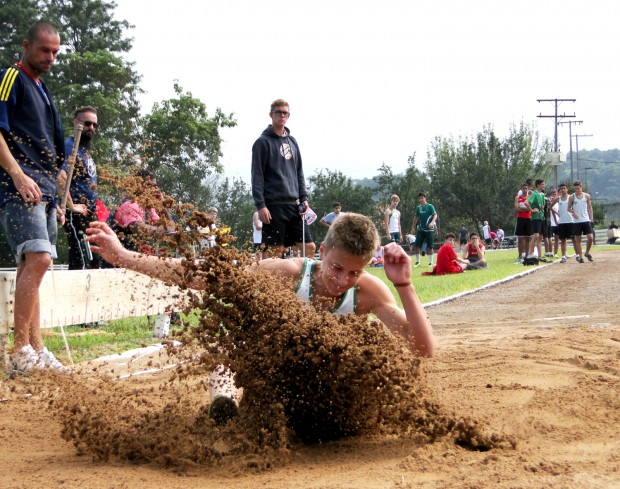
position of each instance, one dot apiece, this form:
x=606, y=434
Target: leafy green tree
x=91, y=71
x=182, y=146
x=16, y=17
x=476, y=179
x=235, y=205
x=327, y=187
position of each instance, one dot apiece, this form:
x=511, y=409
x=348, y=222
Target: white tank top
x=580, y=206
x=303, y=290
x=394, y=221
x=565, y=217
x=552, y=216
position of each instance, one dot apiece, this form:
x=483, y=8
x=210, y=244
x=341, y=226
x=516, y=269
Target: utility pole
x=570, y=135
x=557, y=102
x=577, y=136
x=586, y=172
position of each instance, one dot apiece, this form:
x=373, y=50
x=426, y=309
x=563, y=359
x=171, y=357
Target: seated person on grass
x=475, y=253
x=447, y=259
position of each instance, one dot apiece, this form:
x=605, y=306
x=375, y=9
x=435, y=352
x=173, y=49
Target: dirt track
x=537, y=358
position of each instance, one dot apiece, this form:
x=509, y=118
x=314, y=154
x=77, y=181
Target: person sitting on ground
x=447, y=259
x=475, y=253
x=612, y=232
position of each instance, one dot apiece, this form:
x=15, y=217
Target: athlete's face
x=340, y=270
x=41, y=53
x=578, y=190
x=563, y=190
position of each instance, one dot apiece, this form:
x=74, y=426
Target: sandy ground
x=537, y=358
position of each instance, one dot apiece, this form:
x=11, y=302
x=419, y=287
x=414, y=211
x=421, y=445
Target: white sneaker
x=26, y=360
x=48, y=360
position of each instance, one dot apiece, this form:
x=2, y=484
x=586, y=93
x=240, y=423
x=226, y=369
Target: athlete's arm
x=411, y=322
x=169, y=270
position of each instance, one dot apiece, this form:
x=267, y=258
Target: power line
x=570, y=135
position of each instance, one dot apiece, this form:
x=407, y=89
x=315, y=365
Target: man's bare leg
x=30, y=273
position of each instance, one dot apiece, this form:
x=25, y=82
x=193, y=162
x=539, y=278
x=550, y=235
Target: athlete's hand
x=104, y=242
x=396, y=263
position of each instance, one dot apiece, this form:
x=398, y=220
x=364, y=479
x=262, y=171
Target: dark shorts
x=395, y=237
x=565, y=230
x=582, y=228
x=427, y=237
x=537, y=226
x=554, y=230
x=487, y=241
x=286, y=226
x=30, y=228
x=463, y=241
x=546, y=230
x=523, y=227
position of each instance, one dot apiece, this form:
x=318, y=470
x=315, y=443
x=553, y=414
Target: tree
x=15, y=19
x=476, y=179
x=327, y=187
x=235, y=204
x=182, y=146
x=91, y=71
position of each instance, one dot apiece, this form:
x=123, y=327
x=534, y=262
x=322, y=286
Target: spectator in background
x=257, y=234
x=612, y=232
x=329, y=219
x=486, y=233
x=535, y=203
x=447, y=259
x=565, y=219
x=83, y=194
x=423, y=225
x=553, y=220
x=475, y=253
x=134, y=224
x=580, y=206
x=391, y=220
x=500, y=236
x=279, y=185
x=523, y=227
x=463, y=237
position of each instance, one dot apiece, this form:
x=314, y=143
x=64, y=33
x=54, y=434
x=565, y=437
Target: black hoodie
x=277, y=173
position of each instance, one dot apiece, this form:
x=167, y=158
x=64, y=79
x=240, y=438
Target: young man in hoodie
x=279, y=186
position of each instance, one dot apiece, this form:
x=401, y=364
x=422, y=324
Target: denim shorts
x=30, y=228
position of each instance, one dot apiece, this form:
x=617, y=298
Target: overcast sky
x=376, y=81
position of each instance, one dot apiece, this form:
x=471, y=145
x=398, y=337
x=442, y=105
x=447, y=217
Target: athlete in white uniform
x=580, y=206
x=339, y=281
x=565, y=219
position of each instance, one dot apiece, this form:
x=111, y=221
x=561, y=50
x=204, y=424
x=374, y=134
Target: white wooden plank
x=80, y=296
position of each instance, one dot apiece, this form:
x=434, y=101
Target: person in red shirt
x=475, y=252
x=447, y=259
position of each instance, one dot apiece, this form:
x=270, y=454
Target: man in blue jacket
x=31, y=152
x=279, y=186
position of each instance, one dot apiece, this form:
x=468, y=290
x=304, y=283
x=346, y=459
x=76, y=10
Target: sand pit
x=537, y=359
